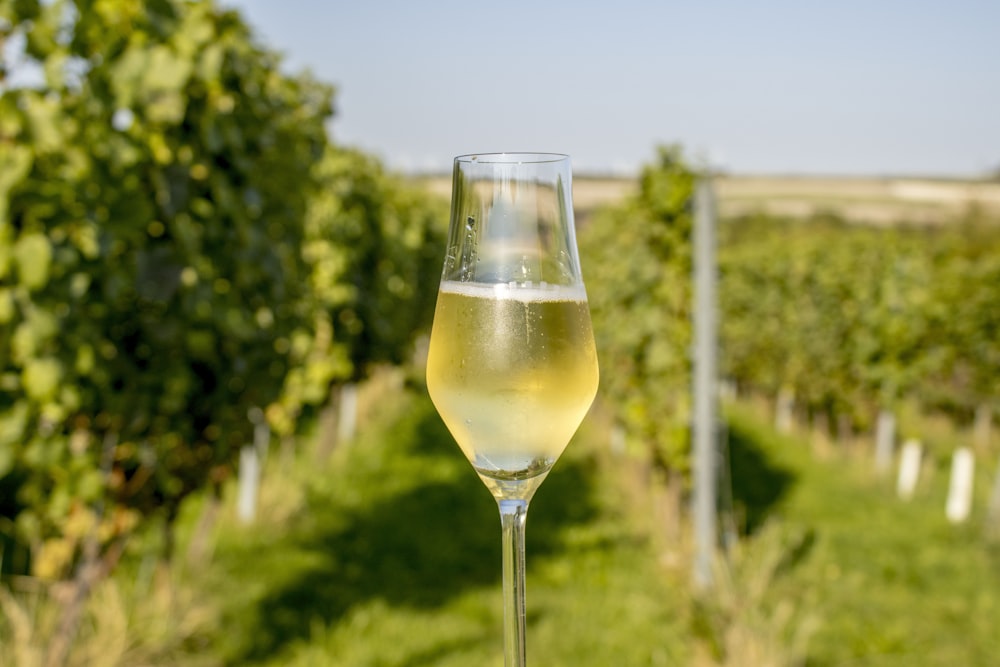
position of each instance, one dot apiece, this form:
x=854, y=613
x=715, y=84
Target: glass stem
x=512, y=517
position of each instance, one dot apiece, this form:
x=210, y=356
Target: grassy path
x=391, y=557
x=892, y=582
x=388, y=555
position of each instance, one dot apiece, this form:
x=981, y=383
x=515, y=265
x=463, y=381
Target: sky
x=852, y=87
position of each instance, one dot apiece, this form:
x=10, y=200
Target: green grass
x=388, y=555
x=892, y=582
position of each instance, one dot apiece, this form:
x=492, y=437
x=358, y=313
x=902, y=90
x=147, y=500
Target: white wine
x=512, y=371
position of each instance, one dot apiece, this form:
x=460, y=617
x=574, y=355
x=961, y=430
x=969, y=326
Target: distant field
x=872, y=200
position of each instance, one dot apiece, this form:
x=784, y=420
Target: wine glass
x=512, y=365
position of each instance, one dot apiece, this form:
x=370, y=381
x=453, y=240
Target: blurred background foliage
x=183, y=246
x=852, y=319
x=180, y=243
x=637, y=263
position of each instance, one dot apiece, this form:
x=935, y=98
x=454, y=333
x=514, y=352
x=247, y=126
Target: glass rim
x=512, y=158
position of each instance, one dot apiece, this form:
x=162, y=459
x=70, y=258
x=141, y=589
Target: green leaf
x=7, y=309
x=126, y=73
x=196, y=32
x=90, y=485
x=23, y=344
x=42, y=36
x=210, y=62
x=33, y=257
x=41, y=378
x=6, y=247
x=55, y=69
x=15, y=163
x=46, y=122
x=165, y=77
x=13, y=426
x=85, y=359
x=7, y=458
x=201, y=344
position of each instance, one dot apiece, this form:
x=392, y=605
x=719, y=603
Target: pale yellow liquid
x=512, y=372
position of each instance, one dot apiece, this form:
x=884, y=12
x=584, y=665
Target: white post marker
x=909, y=469
x=784, y=411
x=994, y=508
x=617, y=438
x=960, y=487
x=249, y=477
x=250, y=466
x=347, y=418
x=885, y=437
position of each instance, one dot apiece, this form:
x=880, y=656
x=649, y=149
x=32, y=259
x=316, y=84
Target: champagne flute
x=512, y=365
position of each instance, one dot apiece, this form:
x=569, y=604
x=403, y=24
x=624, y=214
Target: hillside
x=882, y=200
